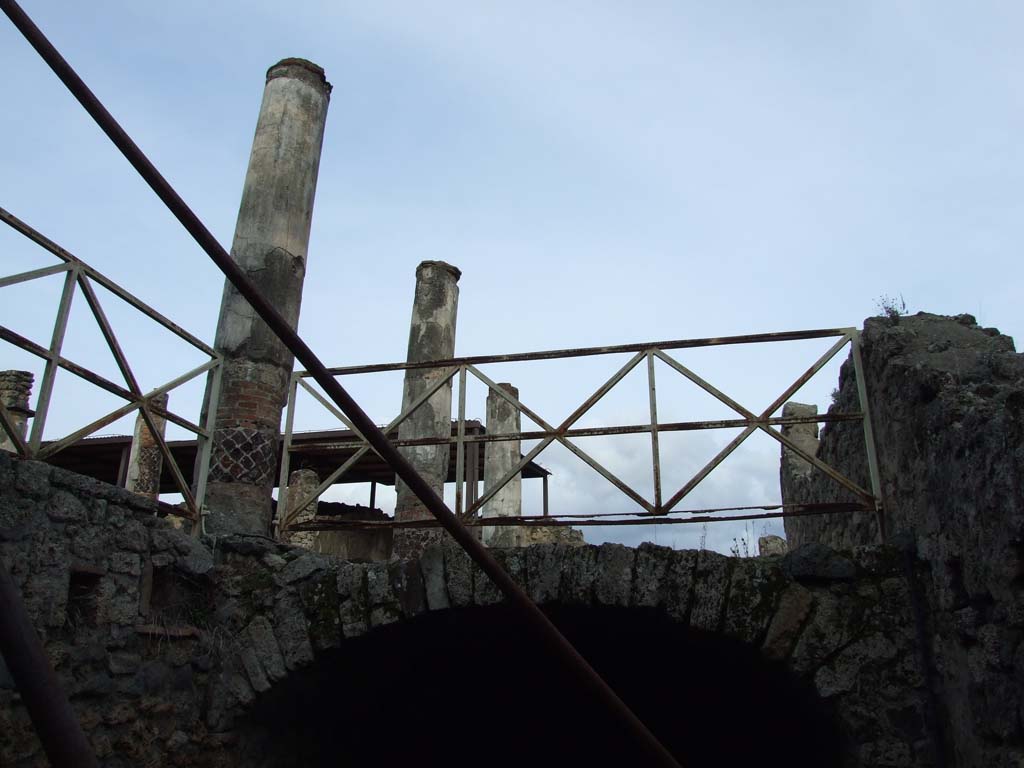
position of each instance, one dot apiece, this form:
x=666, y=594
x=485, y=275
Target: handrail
x=656, y=509
x=79, y=276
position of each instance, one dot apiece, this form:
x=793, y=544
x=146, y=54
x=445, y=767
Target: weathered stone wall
x=116, y=595
x=15, y=390
x=948, y=403
x=164, y=642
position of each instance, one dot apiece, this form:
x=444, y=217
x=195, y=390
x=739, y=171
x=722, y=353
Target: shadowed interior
x=470, y=687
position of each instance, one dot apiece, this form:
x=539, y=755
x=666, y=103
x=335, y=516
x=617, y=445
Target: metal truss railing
x=80, y=276
x=662, y=506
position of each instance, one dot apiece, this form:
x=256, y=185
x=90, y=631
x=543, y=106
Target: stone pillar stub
x=804, y=435
x=15, y=391
x=499, y=459
x=301, y=483
x=771, y=545
x=431, y=337
x=270, y=245
x=146, y=462
x=794, y=470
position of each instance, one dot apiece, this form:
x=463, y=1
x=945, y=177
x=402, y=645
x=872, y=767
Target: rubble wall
x=164, y=643
x=947, y=398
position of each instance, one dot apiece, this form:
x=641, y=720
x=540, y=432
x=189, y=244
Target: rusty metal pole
x=55, y=722
x=547, y=632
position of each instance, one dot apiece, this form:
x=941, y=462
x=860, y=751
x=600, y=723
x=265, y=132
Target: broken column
x=499, y=459
x=270, y=245
x=15, y=390
x=146, y=462
x=431, y=337
x=795, y=470
x=301, y=484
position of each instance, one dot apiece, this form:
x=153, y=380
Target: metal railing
x=80, y=276
x=662, y=507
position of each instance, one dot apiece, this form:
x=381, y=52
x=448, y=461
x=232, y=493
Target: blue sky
x=601, y=173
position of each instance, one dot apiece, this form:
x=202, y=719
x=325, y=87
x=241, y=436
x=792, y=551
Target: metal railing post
x=870, y=446
x=60, y=327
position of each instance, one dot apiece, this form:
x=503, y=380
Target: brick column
x=271, y=241
x=431, y=337
x=15, y=390
x=145, y=462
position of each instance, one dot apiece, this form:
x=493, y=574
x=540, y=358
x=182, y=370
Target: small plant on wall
x=891, y=308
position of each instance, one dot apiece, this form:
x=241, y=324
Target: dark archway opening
x=471, y=688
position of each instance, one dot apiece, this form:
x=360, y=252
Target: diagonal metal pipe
x=59, y=731
x=655, y=753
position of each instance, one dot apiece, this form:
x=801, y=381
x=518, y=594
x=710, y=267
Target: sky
x=601, y=173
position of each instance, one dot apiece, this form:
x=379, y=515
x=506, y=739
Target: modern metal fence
x=79, y=276
x=662, y=507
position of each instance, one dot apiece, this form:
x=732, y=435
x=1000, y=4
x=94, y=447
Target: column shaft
x=431, y=337
x=270, y=244
x=146, y=462
x=499, y=459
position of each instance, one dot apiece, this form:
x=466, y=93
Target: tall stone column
x=270, y=245
x=499, y=459
x=431, y=337
x=145, y=462
x=15, y=390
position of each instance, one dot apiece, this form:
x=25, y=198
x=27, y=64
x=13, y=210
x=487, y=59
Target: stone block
x=432, y=570
x=302, y=567
x=578, y=575
x=544, y=572
x=650, y=582
x=833, y=624
x=123, y=663
x=754, y=593
x=132, y=536
x=320, y=600
x=848, y=666
x=63, y=507
x=460, y=572
x=264, y=645
x=382, y=601
x=771, y=546
x=614, y=583
x=92, y=544
x=407, y=586
x=257, y=677
x=292, y=631
x=32, y=478
x=795, y=606
x=126, y=562
x=710, y=590
x=485, y=591
x=817, y=562
x=681, y=578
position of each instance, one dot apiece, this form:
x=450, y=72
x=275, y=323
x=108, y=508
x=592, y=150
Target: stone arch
x=838, y=624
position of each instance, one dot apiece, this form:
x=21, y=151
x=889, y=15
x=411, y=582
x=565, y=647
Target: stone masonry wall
x=164, y=642
x=948, y=403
